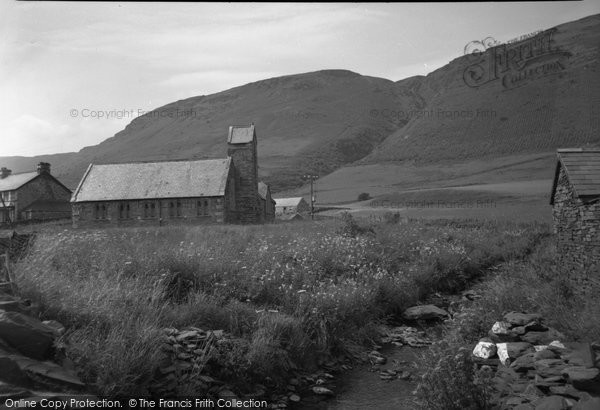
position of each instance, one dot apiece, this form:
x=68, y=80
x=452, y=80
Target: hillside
x=313, y=122
x=427, y=127
x=556, y=107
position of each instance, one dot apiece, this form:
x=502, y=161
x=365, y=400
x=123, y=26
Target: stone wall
x=577, y=227
x=151, y=212
x=43, y=187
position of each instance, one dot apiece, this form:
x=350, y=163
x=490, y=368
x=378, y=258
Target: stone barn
x=267, y=203
x=32, y=196
x=290, y=206
x=576, y=209
x=174, y=192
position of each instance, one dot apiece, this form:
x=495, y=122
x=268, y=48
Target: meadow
x=291, y=295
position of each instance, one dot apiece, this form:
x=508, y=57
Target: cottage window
x=206, y=208
x=178, y=208
x=171, y=209
x=146, y=211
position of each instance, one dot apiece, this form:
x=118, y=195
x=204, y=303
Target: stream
x=362, y=388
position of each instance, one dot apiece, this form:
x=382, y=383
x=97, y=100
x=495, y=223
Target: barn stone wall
x=577, y=227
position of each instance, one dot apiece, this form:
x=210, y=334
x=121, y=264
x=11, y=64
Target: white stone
x=484, y=350
x=539, y=348
x=502, y=351
x=501, y=328
x=557, y=343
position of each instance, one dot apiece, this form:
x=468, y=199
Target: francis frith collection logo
x=513, y=63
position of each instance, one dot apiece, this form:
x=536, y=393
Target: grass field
x=329, y=284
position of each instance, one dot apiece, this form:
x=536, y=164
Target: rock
x=544, y=354
x=295, y=398
x=58, y=328
x=425, y=312
x=322, y=391
x=12, y=373
x=542, y=338
x=8, y=391
x=521, y=319
x=535, y=326
x=523, y=363
x=501, y=328
x=568, y=390
x=485, y=350
x=551, y=403
x=30, y=336
x=550, y=367
x=579, y=354
x=512, y=350
x=50, y=374
x=591, y=404
x=548, y=382
x=556, y=345
x=583, y=378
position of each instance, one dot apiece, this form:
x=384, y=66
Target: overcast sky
x=100, y=57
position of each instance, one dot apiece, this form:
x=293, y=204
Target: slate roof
x=151, y=180
x=241, y=134
x=288, y=201
x=15, y=181
x=582, y=167
x=263, y=190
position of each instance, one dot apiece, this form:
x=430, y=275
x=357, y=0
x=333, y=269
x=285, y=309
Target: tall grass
x=327, y=284
x=535, y=284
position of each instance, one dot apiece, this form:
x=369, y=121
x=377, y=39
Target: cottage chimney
x=43, y=168
x=4, y=172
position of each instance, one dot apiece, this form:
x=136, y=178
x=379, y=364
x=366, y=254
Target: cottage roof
x=149, y=180
x=288, y=201
x=241, y=134
x=16, y=181
x=582, y=167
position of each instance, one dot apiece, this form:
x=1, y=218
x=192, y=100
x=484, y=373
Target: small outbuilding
x=267, y=203
x=576, y=209
x=290, y=206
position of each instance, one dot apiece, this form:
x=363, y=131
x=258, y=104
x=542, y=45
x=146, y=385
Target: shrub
x=364, y=196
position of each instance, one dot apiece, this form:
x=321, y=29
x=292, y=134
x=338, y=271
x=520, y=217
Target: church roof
x=153, y=180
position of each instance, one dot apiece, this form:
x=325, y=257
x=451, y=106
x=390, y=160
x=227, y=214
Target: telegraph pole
x=312, y=195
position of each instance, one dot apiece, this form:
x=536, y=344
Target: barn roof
x=150, y=180
x=241, y=134
x=288, y=201
x=15, y=181
x=582, y=166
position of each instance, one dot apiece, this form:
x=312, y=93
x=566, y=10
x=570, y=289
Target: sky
x=73, y=74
